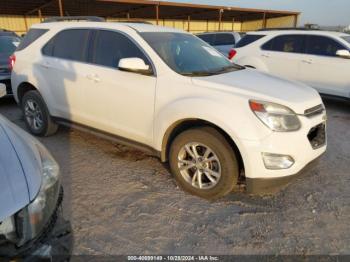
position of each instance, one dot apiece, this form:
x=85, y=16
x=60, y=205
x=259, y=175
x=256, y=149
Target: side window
x=110, y=47
x=248, y=39
x=32, y=35
x=285, y=43
x=320, y=45
x=224, y=39
x=209, y=38
x=69, y=44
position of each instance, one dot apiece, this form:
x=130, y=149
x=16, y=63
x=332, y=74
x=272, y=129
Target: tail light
x=232, y=54
x=12, y=61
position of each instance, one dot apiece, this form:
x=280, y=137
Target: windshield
x=8, y=44
x=347, y=38
x=188, y=55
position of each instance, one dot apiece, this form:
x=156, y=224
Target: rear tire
x=36, y=115
x=209, y=175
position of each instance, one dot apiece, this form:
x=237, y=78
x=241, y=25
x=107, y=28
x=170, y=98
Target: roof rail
x=134, y=22
x=74, y=18
x=288, y=28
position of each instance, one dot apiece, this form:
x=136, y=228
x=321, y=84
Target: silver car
x=221, y=41
x=30, y=195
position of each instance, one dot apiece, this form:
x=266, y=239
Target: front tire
x=36, y=115
x=203, y=163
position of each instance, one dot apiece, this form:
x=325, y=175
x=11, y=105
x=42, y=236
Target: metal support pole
x=295, y=21
x=233, y=24
x=25, y=23
x=40, y=15
x=157, y=14
x=188, y=23
x=264, y=21
x=220, y=18
x=207, y=25
x=128, y=16
x=60, y=5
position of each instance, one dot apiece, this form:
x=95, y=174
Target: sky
x=322, y=12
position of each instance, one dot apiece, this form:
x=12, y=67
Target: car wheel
x=36, y=115
x=204, y=163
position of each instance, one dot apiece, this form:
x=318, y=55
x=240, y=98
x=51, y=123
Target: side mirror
x=135, y=65
x=2, y=90
x=343, y=53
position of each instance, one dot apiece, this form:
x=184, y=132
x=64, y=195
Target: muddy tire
x=36, y=115
x=203, y=163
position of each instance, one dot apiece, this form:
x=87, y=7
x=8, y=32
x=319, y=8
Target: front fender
x=231, y=121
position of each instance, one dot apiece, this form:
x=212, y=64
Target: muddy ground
x=121, y=201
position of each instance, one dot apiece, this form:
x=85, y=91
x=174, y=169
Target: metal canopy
x=136, y=9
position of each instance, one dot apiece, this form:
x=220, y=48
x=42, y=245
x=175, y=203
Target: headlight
x=38, y=213
x=277, y=117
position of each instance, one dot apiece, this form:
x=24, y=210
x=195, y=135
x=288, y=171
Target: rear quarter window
x=248, y=39
x=70, y=44
x=32, y=35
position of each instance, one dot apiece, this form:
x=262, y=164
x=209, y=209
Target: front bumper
x=55, y=240
x=303, y=146
x=262, y=186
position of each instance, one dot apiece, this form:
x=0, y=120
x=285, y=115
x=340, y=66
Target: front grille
x=314, y=111
x=317, y=136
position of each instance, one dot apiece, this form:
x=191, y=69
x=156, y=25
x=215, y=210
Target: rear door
x=322, y=69
x=282, y=54
x=64, y=67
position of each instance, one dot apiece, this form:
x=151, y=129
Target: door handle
x=45, y=65
x=307, y=61
x=93, y=77
x=266, y=56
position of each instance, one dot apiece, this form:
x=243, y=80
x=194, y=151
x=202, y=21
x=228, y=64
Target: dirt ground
x=121, y=201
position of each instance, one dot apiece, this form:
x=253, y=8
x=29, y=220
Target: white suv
x=170, y=93
x=317, y=58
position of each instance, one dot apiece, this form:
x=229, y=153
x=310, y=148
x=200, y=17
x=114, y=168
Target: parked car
x=8, y=44
x=171, y=94
x=30, y=196
x=317, y=58
x=222, y=41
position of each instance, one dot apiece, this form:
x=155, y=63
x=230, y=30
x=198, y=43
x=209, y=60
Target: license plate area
x=317, y=136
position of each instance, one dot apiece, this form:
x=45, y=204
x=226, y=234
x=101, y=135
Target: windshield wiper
x=198, y=73
x=229, y=68
x=221, y=70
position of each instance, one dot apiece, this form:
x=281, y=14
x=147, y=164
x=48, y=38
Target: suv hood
x=261, y=86
x=20, y=177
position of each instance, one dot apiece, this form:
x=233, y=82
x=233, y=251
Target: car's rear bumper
x=6, y=79
x=263, y=186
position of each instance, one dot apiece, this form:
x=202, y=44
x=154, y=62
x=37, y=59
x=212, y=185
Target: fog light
x=275, y=161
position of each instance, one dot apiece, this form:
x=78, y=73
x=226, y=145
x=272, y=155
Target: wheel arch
x=185, y=124
x=23, y=88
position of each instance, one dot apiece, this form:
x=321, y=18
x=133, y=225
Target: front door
x=119, y=102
